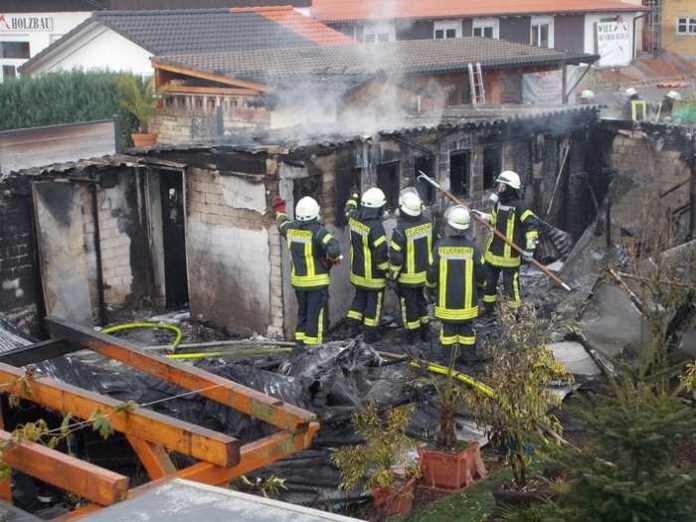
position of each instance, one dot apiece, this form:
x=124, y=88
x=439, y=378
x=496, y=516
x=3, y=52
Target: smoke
x=372, y=94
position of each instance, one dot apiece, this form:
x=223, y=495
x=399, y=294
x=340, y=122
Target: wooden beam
x=86, y=480
x=253, y=456
x=186, y=71
x=195, y=89
x=38, y=352
x=241, y=398
x=176, y=435
x=154, y=458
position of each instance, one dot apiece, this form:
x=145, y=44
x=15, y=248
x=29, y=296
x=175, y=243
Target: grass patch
x=471, y=505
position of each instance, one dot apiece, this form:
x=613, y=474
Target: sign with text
x=614, y=43
x=25, y=23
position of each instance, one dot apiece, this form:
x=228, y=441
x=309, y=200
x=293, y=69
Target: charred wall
x=20, y=282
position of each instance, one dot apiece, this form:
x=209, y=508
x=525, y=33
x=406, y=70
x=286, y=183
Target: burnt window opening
x=492, y=165
x=347, y=180
x=460, y=163
x=310, y=186
x=388, y=181
x=425, y=189
x=452, y=95
x=465, y=92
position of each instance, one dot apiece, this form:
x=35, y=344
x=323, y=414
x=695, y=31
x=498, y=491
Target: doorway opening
x=174, y=238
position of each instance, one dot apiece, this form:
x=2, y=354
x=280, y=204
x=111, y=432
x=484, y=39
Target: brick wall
x=178, y=125
x=233, y=253
x=19, y=277
x=644, y=171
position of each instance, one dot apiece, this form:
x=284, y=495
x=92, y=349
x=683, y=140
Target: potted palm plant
x=380, y=462
x=449, y=465
x=138, y=97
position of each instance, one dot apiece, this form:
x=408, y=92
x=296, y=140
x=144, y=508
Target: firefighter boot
x=424, y=333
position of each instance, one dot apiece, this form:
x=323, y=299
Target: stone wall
x=646, y=167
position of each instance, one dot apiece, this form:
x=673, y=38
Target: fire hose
x=499, y=235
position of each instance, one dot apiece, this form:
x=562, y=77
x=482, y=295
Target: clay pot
x=445, y=471
x=396, y=500
x=141, y=140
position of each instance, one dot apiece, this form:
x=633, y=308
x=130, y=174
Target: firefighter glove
x=278, y=204
x=528, y=255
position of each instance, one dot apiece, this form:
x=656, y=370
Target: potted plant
x=138, y=97
x=380, y=462
x=451, y=464
x=517, y=414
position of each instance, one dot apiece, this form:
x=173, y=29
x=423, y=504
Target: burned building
x=193, y=222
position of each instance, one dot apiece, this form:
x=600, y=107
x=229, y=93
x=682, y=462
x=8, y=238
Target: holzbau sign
x=24, y=24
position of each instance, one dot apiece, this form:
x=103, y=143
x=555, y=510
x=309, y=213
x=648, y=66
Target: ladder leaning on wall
x=478, y=91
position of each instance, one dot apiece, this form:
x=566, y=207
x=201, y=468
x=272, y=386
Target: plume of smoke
x=385, y=102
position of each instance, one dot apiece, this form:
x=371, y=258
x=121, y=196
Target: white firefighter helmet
x=674, y=95
x=458, y=217
x=373, y=198
x=410, y=202
x=307, y=209
x=509, y=178
x=630, y=92
x=587, y=95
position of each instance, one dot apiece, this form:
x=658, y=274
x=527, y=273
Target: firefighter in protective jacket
x=519, y=225
x=313, y=251
x=456, y=276
x=369, y=260
x=410, y=256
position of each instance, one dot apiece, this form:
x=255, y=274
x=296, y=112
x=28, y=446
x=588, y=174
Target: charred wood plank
x=38, y=352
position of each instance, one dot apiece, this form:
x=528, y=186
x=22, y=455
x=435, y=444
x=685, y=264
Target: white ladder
x=478, y=91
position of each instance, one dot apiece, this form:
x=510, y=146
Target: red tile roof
x=345, y=10
x=306, y=27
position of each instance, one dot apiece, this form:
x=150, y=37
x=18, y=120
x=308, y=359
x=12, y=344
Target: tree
x=517, y=415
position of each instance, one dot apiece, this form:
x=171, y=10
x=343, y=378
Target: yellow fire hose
x=462, y=377
x=179, y=335
x=205, y=355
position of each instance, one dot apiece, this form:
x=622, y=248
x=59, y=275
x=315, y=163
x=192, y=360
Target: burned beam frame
x=150, y=434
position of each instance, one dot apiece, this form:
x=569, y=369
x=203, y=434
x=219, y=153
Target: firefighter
x=510, y=217
x=455, y=276
x=586, y=97
x=410, y=255
x=635, y=108
x=369, y=260
x=666, y=107
x=313, y=251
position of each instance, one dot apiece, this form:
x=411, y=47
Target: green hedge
x=65, y=97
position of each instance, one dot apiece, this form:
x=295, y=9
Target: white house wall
x=99, y=49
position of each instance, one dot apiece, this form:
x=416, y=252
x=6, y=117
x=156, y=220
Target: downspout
x=98, y=253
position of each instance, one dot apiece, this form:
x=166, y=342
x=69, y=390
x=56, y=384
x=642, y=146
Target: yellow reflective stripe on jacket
x=379, y=241
x=367, y=257
x=309, y=281
x=509, y=235
x=469, y=278
x=418, y=278
x=327, y=238
x=461, y=314
x=394, y=245
x=526, y=215
x=532, y=234
x=505, y=262
x=383, y=266
x=370, y=283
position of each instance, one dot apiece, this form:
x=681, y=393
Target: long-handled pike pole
x=477, y=217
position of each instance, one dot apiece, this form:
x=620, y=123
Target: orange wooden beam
x=183, y=437
x=246, y=400
x=214, y=91
x=86, y=480
x=253, y=456
x=187, y=71
x=154, y=458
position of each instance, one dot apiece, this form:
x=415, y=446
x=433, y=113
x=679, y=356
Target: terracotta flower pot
x=141, y=140
x=451, y=471
x=396, y=500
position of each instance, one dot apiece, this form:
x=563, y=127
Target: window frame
x=378, y=32
x=483, y=24
x=13, y=62
x=445, y=26
x=689, y=23
x=539, y=21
